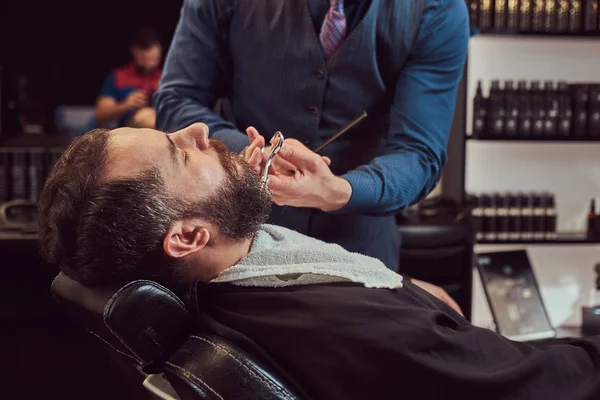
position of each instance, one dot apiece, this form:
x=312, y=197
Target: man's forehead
x=133, y=151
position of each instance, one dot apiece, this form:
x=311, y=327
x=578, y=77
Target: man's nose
x=196, y=135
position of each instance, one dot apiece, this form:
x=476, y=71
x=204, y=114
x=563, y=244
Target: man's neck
x=223, y=253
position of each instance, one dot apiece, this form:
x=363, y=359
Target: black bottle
x=18, y=175
x=502, y=217
x=592, y=221
x=525, y=112
x=4, y=174
x=474, y=13
x=537, y=21
x=511, y=103
x=550, y=13
x=565, y=112
x=512, y=18
x=539, y=228
x=549, y=216
x=580, y=110
x=575, y=8
x=500, y=8
x=496, y=111
x=590, y=15
x=488, y=223
x=485, y=15
x=538, y=110
x=480, y=113
x=35, y=173
x=593, y=127
x=526, y=202
x=476, y=216
x=550, y=109
x=562, y=16
x=525, y=15
x=514, y=216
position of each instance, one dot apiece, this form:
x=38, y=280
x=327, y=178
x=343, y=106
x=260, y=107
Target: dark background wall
x=67, y=47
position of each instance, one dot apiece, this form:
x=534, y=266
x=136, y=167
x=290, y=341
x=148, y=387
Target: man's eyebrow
x=172, y=149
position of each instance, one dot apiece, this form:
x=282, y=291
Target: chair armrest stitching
x=188, y=374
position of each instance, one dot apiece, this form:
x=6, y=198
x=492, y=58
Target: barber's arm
x=197, y=72
x=414, y=152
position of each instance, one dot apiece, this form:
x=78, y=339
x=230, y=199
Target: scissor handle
x=274, y=150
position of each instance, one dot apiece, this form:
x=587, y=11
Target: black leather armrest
x=212, y=368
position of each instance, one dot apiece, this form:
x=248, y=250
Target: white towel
x=281, y=257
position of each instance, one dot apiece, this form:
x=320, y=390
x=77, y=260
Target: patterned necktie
x=333, y=30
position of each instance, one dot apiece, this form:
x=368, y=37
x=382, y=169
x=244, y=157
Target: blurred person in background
x=127, y=92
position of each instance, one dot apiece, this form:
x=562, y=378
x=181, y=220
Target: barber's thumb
x=252, y=133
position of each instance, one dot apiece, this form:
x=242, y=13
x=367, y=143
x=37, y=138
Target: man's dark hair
x=97, y=232
x=144, y=38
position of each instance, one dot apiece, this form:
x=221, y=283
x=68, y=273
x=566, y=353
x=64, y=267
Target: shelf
x=544, y=139
x=506, y=32
x=563, y=238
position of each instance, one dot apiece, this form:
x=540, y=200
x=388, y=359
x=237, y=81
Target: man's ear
x=184, y=238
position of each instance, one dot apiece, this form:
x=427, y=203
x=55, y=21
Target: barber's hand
x=278, y=166
x=312, y=184
x=438, y=292
x=136, y=99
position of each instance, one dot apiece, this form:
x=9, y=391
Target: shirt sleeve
x=197, y=73
x=108, y=88
x=414, y=151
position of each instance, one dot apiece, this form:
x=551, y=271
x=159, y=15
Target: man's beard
x=242, y=204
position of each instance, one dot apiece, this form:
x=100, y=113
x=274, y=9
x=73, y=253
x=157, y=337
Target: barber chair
x=440, y=253
x=149, y=329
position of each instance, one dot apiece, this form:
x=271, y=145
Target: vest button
x=320, y=74
x=313, y=109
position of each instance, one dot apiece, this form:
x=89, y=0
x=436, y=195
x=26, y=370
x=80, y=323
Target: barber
x=307, y=68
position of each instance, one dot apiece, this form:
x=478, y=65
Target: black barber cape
x=344, y=341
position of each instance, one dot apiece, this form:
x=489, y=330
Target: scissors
x=274, y=150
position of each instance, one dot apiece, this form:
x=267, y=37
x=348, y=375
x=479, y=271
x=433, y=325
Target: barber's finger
x=252, y=133
x=299, y=156
x=281, y=185
x=257, y=143
x=255, y=160
x=327, y=160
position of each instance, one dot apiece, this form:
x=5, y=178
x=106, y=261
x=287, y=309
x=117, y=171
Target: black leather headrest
x=142, y=319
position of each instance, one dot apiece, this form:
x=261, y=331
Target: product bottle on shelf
x=575, y=8
x=593, y=127
x=565, y=113
x=514, y=217
x=499, y=15
x=474, y=13
x=511, y=103
x=526, y=217
x=550, y=109
x=512, y=15
x=539, y=229
x=488, y=225
x=550, y=8
x=485, y=15
x=549, y=216
x=4, y=174
x=497, y=111
x=592, y=220
x=537, y=22
x=590, y=312
x=538, y=110
x=476, y=216
x=502, y=217
x=562, y=15
x=580, y=110
x=525, y=111
x=525, y=15
x=479, y=113
x=590, y=15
